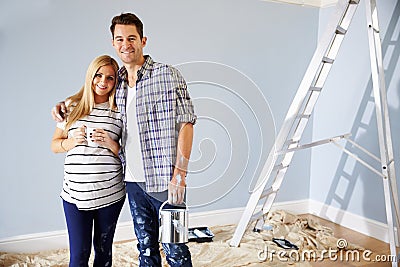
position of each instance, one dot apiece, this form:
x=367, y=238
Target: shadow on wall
x=365, y=131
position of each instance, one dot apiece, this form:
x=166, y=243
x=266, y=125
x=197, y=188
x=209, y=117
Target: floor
x=219, y=253
x=377, y=247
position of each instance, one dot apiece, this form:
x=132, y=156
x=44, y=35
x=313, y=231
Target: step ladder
x=300, y=111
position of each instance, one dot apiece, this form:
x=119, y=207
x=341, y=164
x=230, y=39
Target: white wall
x=46, y=46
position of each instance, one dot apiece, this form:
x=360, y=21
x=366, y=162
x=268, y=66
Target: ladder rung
x=346, y=175
x=340, y=30
x=279, y=167
x=364, y=125
x=338, y=199
x=315, y=89
x=304, y=116
x=290, y=143
x=328, y=60
x=354, y=2
x=257, y=215
x=267, y=192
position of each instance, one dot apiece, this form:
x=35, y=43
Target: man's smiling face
x=128, y=44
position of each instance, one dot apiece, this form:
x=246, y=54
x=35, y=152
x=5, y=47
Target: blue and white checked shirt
x=162, y=102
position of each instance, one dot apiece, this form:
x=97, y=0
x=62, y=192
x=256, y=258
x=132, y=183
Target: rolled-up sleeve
x=184, y=104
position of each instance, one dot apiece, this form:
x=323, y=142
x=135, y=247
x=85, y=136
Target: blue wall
x=253, y=55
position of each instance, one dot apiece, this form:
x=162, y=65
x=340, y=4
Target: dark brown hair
x=127, y=19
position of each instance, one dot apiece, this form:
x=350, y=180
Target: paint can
x=174, y=225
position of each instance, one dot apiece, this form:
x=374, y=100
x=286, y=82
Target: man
x=158, y=118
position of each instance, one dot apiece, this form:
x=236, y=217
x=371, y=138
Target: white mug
x=90, y=131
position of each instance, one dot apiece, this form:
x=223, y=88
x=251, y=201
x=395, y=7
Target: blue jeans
x=80, y=224
x=144, y=210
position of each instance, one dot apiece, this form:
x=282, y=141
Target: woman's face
x=103, y=83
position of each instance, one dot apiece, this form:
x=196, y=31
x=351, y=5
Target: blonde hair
x=82, y=103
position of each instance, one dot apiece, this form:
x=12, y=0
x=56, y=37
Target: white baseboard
x=59, y=239
x=35, y=242
x=352, y=221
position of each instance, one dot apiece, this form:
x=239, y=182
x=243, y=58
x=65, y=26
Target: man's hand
x=176, y=190
x=58, y=112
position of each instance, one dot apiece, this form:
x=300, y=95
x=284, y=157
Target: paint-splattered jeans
x=144, y=210
x=80, y=224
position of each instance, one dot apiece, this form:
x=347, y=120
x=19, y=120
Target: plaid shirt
x=162, y=102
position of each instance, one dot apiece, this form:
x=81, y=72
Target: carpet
x=256, y=249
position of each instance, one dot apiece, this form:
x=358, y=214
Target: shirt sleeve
x=184, y=105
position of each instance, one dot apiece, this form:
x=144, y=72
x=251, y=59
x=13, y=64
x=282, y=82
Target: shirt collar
x=144, y=69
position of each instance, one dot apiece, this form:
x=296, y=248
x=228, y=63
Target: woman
x=93, y=190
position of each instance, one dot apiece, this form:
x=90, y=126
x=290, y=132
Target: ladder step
x=328, y=60
x=346, y=175
x=257, y=215
x=304, y=116
x=356, y=2
x=288, y=143
x=364, y=125
x=315, y=89
x=339, y=199
x=279, y=167
x=291, y=142
x=267, y=192
x=340, y=30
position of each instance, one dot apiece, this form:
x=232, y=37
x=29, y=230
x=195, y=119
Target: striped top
x=162, y=102
x=93, y=175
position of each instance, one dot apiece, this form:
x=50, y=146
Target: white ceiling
x=314, y=3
